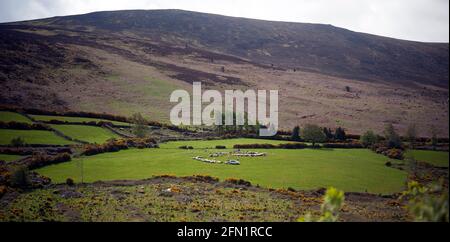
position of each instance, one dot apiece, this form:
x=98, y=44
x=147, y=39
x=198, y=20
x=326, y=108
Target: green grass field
x=74, y=119
x=32, y=137
x=89, y=134
x=436, y=158
x=229, y=143
x=9, y=158
x=351, y=170
x=11, y=116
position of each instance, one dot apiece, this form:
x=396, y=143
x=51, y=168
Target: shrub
x=70, y=182
x=392, y=138
x=19, y=177
x=115, y=145
x=292, y=146
x=342, y=145
x=428, y=204
x=219, y=147
x=331, y=207
x=185, y=147
x=271, y=146
x=395, y=154
x=139, y=128
x=339, y=134
x=24, y=126
x=238, y=182
x=296, y=133
x=18, y=142
x=369, y=138
x=39, y=160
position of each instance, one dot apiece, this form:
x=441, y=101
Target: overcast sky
x=421, y=20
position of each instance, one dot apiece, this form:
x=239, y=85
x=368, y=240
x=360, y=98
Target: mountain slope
x=321, y=48
x=130, y=61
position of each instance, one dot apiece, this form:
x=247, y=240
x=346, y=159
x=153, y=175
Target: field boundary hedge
x=24, y=126
x=271, y=146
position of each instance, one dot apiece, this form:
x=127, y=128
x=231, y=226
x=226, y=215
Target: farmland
x=13, y=117
x=285, y=183
x=436, y=158
x=32, y=137
x=351, y=170
x=47, y=118
x=8, y=158
x=89, y=134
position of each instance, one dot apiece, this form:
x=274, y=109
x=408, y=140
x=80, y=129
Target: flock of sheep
x=229, y=162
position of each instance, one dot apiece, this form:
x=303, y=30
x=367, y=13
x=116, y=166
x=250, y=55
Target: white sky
x=420, y=20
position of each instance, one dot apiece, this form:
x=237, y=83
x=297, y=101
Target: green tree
x=313, y=133
x=392, y=138
x=17, y=142
x=369, y=138
x=140, y=127
x=411, y=134
x=20, y=176
x=339, y=134
x=296, y=133
x=328, y=133
x=434, y=137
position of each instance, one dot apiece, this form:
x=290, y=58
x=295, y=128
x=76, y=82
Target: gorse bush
x=428, y=204
x=115, y=145
x=330, y=208
x=39, y=160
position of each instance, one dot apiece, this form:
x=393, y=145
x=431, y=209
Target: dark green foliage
x=18, y=142
x=339, y=134
x=140, y=128
x=70, y=182
x=369, y=138
x=39, y=160
x=328, y=133
x=271, y=146
x=19, y=177
x=411, y=135
x=393, y=140
x=313, y=133
x=343, y=145
x=296, y=133
x=24, y=126
x=434, y=138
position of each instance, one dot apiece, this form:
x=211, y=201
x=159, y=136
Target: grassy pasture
x=32, y=137
x=90, y=134
x=9, y=158
x=356, y=170
x=436, y=158
x=11, y=116
x=74, y=119
x=211, y=144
